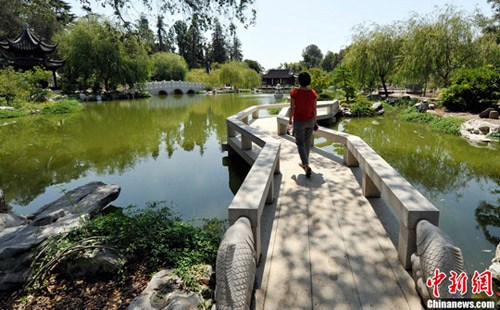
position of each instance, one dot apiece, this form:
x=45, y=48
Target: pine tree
x=235, y=52
x=218, y=51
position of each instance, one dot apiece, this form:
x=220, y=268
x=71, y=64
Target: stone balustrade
x=173, y=87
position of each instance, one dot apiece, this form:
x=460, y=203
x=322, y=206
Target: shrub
x=325, y=97
x=472, y=90
x=412, y=115
x=362, y=107
x=62, y=107
x=448, y=125
x=154, y=236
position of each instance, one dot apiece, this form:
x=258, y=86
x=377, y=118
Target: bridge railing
x=379, y=179
x=262, y=152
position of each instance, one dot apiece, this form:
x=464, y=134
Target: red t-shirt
x=304, y=103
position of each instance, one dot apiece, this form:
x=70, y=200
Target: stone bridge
x=173, y=87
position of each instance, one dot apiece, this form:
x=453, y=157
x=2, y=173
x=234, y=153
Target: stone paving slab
x=326, y=248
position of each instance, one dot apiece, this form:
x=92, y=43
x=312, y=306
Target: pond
x=169, y=149
x=158, y=149
x=462, y=181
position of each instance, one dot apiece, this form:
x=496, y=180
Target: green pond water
x=169, y=149
x=157, y=149
x=461, y=180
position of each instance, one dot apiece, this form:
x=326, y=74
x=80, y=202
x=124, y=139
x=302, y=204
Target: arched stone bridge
x=173, y=87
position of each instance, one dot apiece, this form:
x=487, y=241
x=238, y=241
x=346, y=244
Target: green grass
x=62, y=106
x=494, y=136
x=448, y=125
x=274, y=111
x=12, y=114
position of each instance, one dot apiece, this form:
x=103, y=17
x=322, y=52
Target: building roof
x=26, y=42
x=278, y=74
x=27, y=51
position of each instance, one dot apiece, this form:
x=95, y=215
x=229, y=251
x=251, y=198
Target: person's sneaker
x=308, y=172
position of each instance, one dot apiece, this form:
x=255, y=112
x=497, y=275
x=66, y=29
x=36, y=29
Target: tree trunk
x=385, y=87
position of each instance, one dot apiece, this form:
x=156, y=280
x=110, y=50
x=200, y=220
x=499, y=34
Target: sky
x=284, y=28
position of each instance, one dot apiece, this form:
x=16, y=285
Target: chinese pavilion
x=27, y=51
x=284, y=77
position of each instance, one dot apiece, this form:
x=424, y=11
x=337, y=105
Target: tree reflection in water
x=488, y=218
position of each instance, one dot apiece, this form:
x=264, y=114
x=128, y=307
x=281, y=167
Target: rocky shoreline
x=21, y=238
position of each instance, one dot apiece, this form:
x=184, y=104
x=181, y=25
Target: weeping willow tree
x=437, y=45
x=373, y=54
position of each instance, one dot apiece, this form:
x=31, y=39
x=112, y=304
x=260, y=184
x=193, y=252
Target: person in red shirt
x=303, y=117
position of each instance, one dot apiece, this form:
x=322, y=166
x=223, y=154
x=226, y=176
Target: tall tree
x=99, y=54
x=195, y=55
x=218, y=49
x=169, y=66
x=160, y=26
x=235, y=52
x=312, y=56
x=45, y=17
x=254, y=65
x=180, y=30
x=342, y=78
x=373, y=54
x=436, y=45
x=330, y=61
x=145, y=33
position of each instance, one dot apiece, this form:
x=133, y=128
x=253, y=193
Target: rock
x=377, y=106
x=7, y=108
x=8, y=220
x=484, y=129
x=432, y=106
x=475, y=130
x=421, y=106
x=17, y=242
x=486, y=113
x=183, y=302
x=163, y=292
x=493, y=115
x=92, y=264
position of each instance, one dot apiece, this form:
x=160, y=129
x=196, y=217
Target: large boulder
x=163, y=292
x=486, y=113
x=18, y=242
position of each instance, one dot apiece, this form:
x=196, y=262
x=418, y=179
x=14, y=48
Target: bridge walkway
x=323, y=245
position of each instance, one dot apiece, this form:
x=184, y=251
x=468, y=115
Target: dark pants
x=303, y=132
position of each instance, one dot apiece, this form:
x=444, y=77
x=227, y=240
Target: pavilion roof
x=278, y=74
x=26, y=42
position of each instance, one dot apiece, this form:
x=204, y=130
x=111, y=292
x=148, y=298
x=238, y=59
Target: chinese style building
x=284, y=77
x=27, y=51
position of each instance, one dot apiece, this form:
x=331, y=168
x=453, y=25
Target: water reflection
x=460, y=180
x=488, y=218
x=119, y=142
